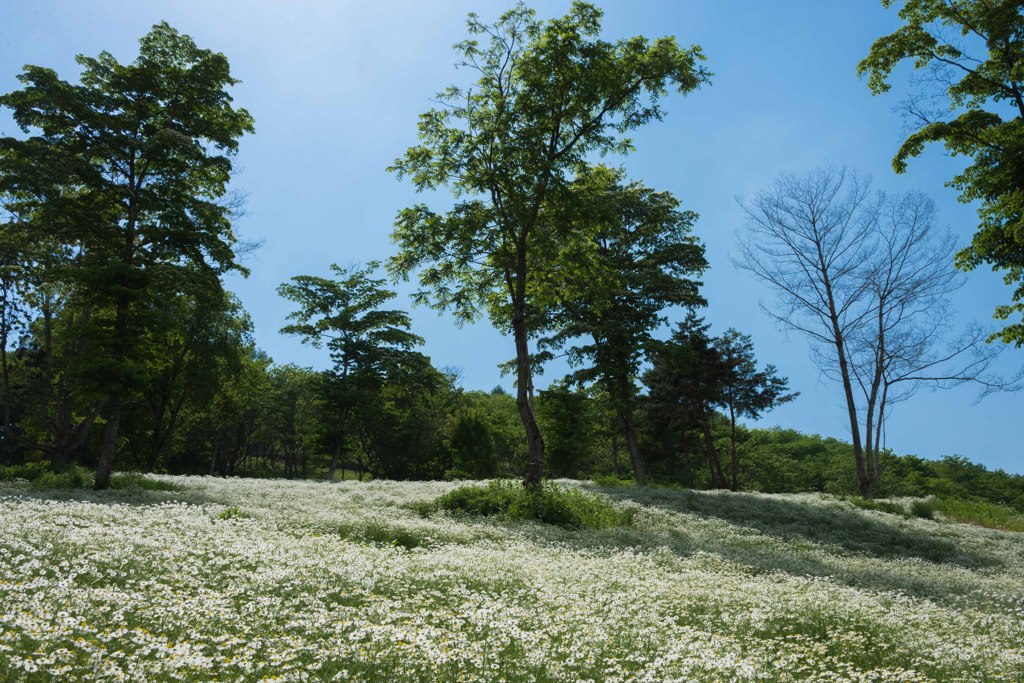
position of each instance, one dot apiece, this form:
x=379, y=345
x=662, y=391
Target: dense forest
x=121, y=349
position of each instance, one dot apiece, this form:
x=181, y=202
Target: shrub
x=73, y=477
x=137, y=480
x=231, y=512
x=886, y=506
x=923, y=508
x=611, y=480
x=551, y=504
x=29, y=471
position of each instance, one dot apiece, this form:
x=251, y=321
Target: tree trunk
x=718, y=480
x=338, y=447
x=629, y=428
x=687, y=461
x=6, y=454
x=524, y=401
x=732, y=447
x=105, y=465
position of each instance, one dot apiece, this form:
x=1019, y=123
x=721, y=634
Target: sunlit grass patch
x=981, y=514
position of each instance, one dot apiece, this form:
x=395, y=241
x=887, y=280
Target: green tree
x=131, y=164
x=194, y=339
x=571, y=424
x=546, y=96
x=971, y=54
x=344, y=315
x=745, y=390
x=472, y=445
x=685, y=385
x=630, y=256
x=15, y=264
x=293, y=415
x=403, y=423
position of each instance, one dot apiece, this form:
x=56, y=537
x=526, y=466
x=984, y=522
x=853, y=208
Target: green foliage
x=71, y=478
x=611, y=481
x=366, y=342
x=628, y=256
x=123, y=177
x=887, y=506
x=923, y=508
x=230, y=512
x=972, y=53
x=570, y=426
x=981, y=513
x=549, y=503
x=472, y=446
x=544, y=97
x=40, y=477
x=404, y=418
x=139, y=481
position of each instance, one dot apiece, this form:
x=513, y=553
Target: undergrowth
x=39, y=477
x=978, y=513
x=549, y=503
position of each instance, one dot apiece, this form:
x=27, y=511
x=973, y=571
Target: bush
x=551, y=504
x=231, y=512
x=73, y=477
x=886, y=506
x=611, y=480
x=923, y=508
x=41, y=478
x=137, y=480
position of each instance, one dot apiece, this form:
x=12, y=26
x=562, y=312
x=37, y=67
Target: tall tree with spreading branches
x=543, y=97
x=131, y=165
x=868, y=279
x=631, y=255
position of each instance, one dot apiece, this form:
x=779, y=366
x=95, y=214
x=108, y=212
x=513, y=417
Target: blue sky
x=336, y=86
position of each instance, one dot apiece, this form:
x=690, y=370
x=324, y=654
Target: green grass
x=982, y=514
x=958, y=510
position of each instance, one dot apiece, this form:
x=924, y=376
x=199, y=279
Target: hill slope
x=249, y=579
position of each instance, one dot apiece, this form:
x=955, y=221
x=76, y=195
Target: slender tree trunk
x=216, y=451
x=718, y=480
x=629, y=428
x=865, y=485
x=878, y=429
x=735, y=462
x=105, y=465
x=338, y=447
x=524, y=401
x=8, y=441
x=119, y=346
x=684, y=443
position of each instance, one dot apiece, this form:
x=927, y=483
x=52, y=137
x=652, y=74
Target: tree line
x=120, y=344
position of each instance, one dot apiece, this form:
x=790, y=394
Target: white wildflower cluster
x=332, y=582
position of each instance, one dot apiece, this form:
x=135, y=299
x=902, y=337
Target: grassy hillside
x=258, y=580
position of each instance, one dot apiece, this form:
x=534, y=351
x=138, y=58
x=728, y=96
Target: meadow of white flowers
x=247, y=580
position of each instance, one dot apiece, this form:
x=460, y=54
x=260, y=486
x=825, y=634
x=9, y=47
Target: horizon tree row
x=117, y=232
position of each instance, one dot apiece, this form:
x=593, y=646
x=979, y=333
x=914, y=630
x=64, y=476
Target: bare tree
x=868, y=279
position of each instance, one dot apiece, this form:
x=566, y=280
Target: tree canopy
x=969, y=96
x=130, y=167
